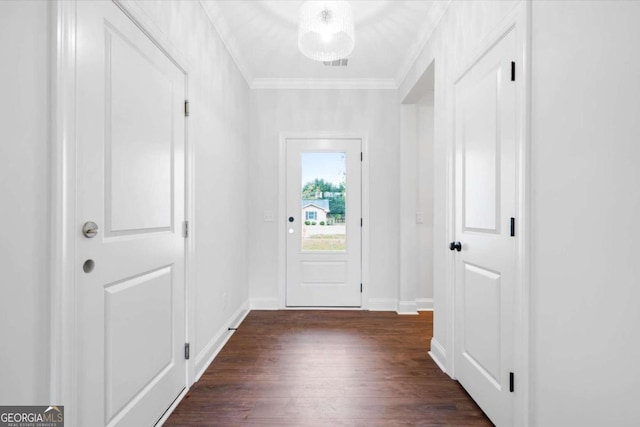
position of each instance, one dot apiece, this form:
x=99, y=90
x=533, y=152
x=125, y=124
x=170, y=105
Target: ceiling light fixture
x=325, y=30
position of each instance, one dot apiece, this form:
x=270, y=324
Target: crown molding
x=222, y=28
x=216, y=17
x=416, y=49
x=294, y=83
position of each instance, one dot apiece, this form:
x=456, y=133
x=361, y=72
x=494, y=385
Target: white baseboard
x=209, y=353
x=425, y=304
x=375, y=304
x=173, y=406
x=407, y=307
x=211, y=350
x=383, y=304
x=438, y=354
x=264, y=304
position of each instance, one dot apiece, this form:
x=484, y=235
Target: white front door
x=323, y=223
x=485, y=153
x=130, y=180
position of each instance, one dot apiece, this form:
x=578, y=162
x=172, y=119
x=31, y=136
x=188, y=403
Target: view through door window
x=324, y=201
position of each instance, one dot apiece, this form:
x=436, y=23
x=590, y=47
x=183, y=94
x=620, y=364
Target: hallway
x=155, y=169
x=355, y=368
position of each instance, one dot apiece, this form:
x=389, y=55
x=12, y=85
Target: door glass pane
x=323, y=201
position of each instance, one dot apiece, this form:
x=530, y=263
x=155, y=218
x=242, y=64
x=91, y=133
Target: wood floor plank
x=327, y=368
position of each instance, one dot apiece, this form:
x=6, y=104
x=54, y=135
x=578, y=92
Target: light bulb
x=325, y=30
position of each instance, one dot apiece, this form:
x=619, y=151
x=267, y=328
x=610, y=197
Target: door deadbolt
x=90, y=229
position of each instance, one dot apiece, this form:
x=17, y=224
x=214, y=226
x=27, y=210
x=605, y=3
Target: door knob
x=455, y=246
x=90, y=229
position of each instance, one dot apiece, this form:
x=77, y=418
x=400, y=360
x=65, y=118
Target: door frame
x=282, y=209
x=63, y=230
x=518, y=19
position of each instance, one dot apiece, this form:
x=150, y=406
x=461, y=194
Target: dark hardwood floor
x=328, y=368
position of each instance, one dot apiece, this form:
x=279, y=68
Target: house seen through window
x=323, y=197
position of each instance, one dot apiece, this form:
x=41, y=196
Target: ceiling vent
x=337, y=63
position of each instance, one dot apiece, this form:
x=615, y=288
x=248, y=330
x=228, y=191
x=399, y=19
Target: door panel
x=138, y=136
x=324, y=236
x=327, y=272
x=482, y=320
x=130, y=174
x=485, y=202
x=480, y=155
x=132, y=363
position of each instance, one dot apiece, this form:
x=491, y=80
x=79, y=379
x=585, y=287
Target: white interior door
x=323, y=223
x=485, y=142
x=130, y=181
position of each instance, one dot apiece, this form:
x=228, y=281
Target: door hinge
x=511, y=382
x=360, y=287
x=513, y=71
x=361, y=223
x=186, y=351
x=361, y=156
x=513, y=227
x=186, y=108
x=185, y=229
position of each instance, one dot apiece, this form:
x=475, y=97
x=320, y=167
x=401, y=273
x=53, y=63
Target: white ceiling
x=262, y=37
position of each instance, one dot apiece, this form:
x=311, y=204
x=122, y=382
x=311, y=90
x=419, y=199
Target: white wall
x=408, y=245
x=585, y=133
x=586, y=205
x=24, y=211
x=374, y=113
x=416, y=198
x=425, y=190
x=458, y=36
x=218, y=130
x=219, y=110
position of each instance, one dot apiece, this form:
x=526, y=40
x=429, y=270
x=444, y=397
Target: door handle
x=455, y=246
x=90, y=229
